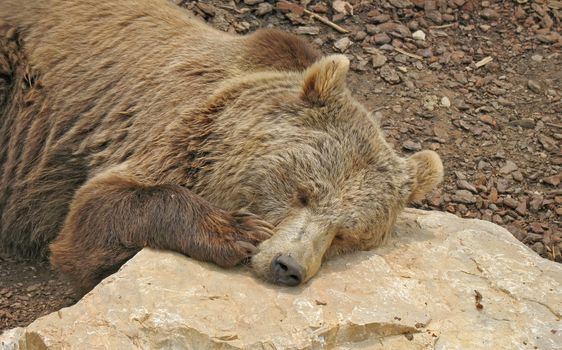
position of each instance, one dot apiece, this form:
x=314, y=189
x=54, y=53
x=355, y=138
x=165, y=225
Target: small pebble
x=534, y=86
x=412, y=146
x=343, y=44
x=419, y=35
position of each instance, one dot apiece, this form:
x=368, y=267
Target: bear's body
x=129, y=124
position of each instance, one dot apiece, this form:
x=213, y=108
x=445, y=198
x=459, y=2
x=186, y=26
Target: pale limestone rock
x=420, y=286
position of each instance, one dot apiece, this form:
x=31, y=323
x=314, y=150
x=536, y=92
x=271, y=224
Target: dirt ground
x=477, y=81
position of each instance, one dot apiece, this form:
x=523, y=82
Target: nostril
x=287, y=270
x=295, y=278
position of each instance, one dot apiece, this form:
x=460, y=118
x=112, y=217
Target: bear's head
x=302, y=153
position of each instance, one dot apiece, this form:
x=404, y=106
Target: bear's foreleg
x=114, y=215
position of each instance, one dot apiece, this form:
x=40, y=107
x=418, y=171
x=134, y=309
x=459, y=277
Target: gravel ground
x=477, y=81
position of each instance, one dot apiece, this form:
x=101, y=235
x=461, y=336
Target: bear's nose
x=286, y=270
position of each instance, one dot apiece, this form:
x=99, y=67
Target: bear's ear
x=325, y=78
x=428, y=173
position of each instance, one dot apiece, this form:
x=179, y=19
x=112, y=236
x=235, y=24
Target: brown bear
x=130, y=124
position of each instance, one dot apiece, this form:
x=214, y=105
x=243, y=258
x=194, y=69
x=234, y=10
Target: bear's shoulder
x=274, y=49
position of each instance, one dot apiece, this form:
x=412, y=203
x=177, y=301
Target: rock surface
x=440, y=283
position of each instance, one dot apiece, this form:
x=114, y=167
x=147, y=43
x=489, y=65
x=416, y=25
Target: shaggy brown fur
x=126, y=124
